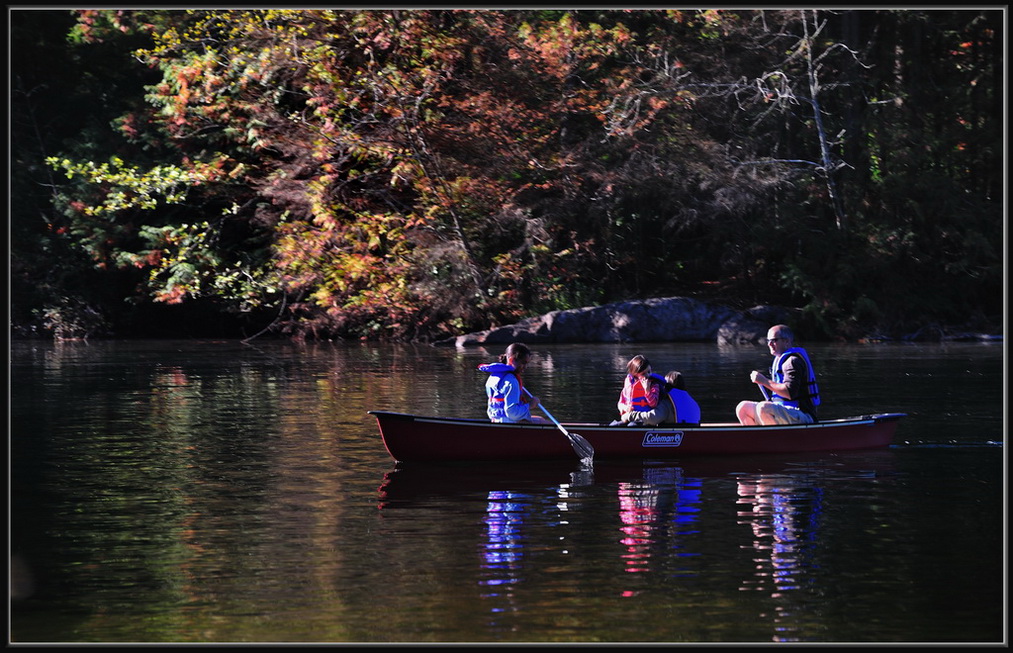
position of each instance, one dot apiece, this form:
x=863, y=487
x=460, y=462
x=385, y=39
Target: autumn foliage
x=410, y=174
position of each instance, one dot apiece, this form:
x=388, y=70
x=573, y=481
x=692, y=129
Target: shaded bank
x=668, y=319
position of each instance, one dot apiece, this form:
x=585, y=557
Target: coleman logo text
x=652, y=439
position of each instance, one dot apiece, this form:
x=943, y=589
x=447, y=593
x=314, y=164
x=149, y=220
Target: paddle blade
x=581, y=446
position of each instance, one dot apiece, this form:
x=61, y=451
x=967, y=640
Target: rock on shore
x=669, y=319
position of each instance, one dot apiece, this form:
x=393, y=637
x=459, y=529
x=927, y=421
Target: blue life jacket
x=687, y=411
x=777, y=375
x=496, y=391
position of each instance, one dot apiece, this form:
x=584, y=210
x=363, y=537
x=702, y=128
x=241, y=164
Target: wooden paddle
x=580, y=445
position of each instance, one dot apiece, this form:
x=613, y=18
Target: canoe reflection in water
x=652, y=518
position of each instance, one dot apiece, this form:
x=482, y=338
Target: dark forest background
x=415, y=174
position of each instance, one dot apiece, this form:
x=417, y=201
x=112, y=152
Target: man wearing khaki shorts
x=791, y=391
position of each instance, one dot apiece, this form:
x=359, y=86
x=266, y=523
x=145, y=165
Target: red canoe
x=410, y=438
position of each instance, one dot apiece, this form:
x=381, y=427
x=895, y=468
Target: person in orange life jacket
x=641, y=395
x=504, y=389
x=791, y=391
x=675, y=405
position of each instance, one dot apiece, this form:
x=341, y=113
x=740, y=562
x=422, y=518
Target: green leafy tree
x=59, y=102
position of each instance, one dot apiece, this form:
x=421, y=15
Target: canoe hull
x=418, y=438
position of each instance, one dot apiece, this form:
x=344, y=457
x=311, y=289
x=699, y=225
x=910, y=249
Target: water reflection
x=656, y=513
x=536, y=515
x=784, y=518
x=503, y=549
x=785, y=513
x=503, y=546
x=210, y=492
x=775, y=504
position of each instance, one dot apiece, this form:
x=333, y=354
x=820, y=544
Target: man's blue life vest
x=777, y=375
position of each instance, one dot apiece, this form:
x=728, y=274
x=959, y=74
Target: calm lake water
x=218, y=492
